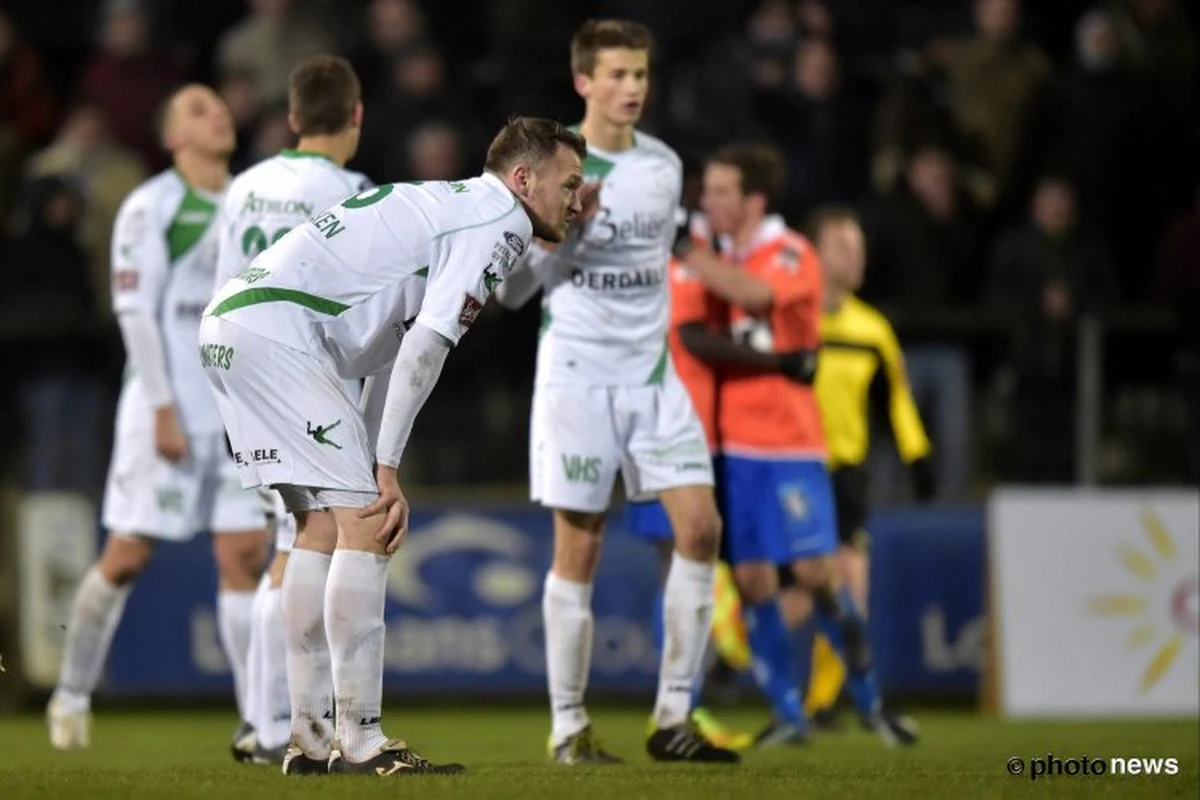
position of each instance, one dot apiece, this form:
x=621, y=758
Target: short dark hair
x=531, y=138
x=762, y=167
x=828, y=215
x=322, y=94
x=606, y=34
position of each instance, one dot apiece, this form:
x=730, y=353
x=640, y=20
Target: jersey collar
x=770, y=229
x=289, y=152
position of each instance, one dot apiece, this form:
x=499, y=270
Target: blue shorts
x=649, y=521
x=777, y=511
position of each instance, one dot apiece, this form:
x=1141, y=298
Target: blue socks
x=775, y=666
x=843, y=624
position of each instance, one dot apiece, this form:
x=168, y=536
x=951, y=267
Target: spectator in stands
x=916, y=107
x=924, y=238
x=27, y=109
x=1044, y=275
x=239, y=90
x=822, y=123
x=103, y=172
x=44, y=288
x=1163, y=43
x=924, y=245
x=129, y=79
x=435, y=153
x=995, y=79
x=268, y=43
x=1093, y=129
x=270, y=133
x=416, y=92
x=392, y=25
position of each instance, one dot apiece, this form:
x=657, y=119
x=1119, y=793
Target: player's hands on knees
x=170, y=442
x=394, y=506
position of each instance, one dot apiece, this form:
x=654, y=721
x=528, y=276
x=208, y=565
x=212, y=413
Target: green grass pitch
x=183, y=754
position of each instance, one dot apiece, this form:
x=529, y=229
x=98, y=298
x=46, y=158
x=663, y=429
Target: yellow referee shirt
x=858, y=347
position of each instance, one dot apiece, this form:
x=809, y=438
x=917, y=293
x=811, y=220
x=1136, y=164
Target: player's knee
x=756, y=582
x=578, y=538
x=241, y=559
x=124, y=559
x=699, y=536
x=818, y=575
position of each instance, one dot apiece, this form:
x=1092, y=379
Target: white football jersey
x=355, y=277
x=164, y=253
x=274, y=196
x=605, y=309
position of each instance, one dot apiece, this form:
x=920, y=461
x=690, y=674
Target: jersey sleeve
x=689, y=298
x=795, y=275
x=911, y=441
x=140, y=261
x=230, y=259
x=468, y=265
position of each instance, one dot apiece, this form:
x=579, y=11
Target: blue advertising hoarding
x=464, y=609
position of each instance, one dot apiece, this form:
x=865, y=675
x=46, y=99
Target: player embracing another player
x=778, y=499
x=607, y=400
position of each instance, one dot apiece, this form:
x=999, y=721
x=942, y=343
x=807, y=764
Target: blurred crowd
x=1016, y=165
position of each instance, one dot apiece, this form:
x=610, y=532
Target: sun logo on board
x=1166, y=611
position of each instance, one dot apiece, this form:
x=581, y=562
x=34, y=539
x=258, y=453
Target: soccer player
x=607, y=400
x=171, y=474
x=382, y=285
x=778, y=499
x=859, y=354
x=261, y=205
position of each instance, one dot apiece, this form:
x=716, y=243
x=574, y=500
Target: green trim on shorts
x=252, y=297
x=660, y=369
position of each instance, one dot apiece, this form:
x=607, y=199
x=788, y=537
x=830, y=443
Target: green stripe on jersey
x=191, y=220
x=660, y=369
x=252, y=297
x=423, y=272
x=596, y=168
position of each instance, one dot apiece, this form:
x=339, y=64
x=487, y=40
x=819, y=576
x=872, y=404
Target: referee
x=861, y=366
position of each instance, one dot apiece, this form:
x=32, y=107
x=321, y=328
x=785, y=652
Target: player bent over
x=261, y=205
x=170, y=475
x=607, y=400
x=382, y=285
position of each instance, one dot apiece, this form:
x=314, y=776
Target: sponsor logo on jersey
x=257, y=204
x=515, y=242
x=490, y=280
x=470, y=311
x=216, y=355
x=320, y=433
x=602, y=280
x=262, y=455
x=581, y=469
x=603, y=230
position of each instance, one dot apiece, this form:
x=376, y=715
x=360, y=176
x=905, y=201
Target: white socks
x=234, y=618
x=567, y=614
x=268, y=704
x=687, y=618
x=354, y=602
x=308, y=667
x=94, y=618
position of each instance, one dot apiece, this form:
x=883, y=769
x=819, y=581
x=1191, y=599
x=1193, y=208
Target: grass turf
x=184, y=754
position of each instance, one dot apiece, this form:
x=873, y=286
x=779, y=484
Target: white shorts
x=292, y=421
x=581, y=436
x=149, y=496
